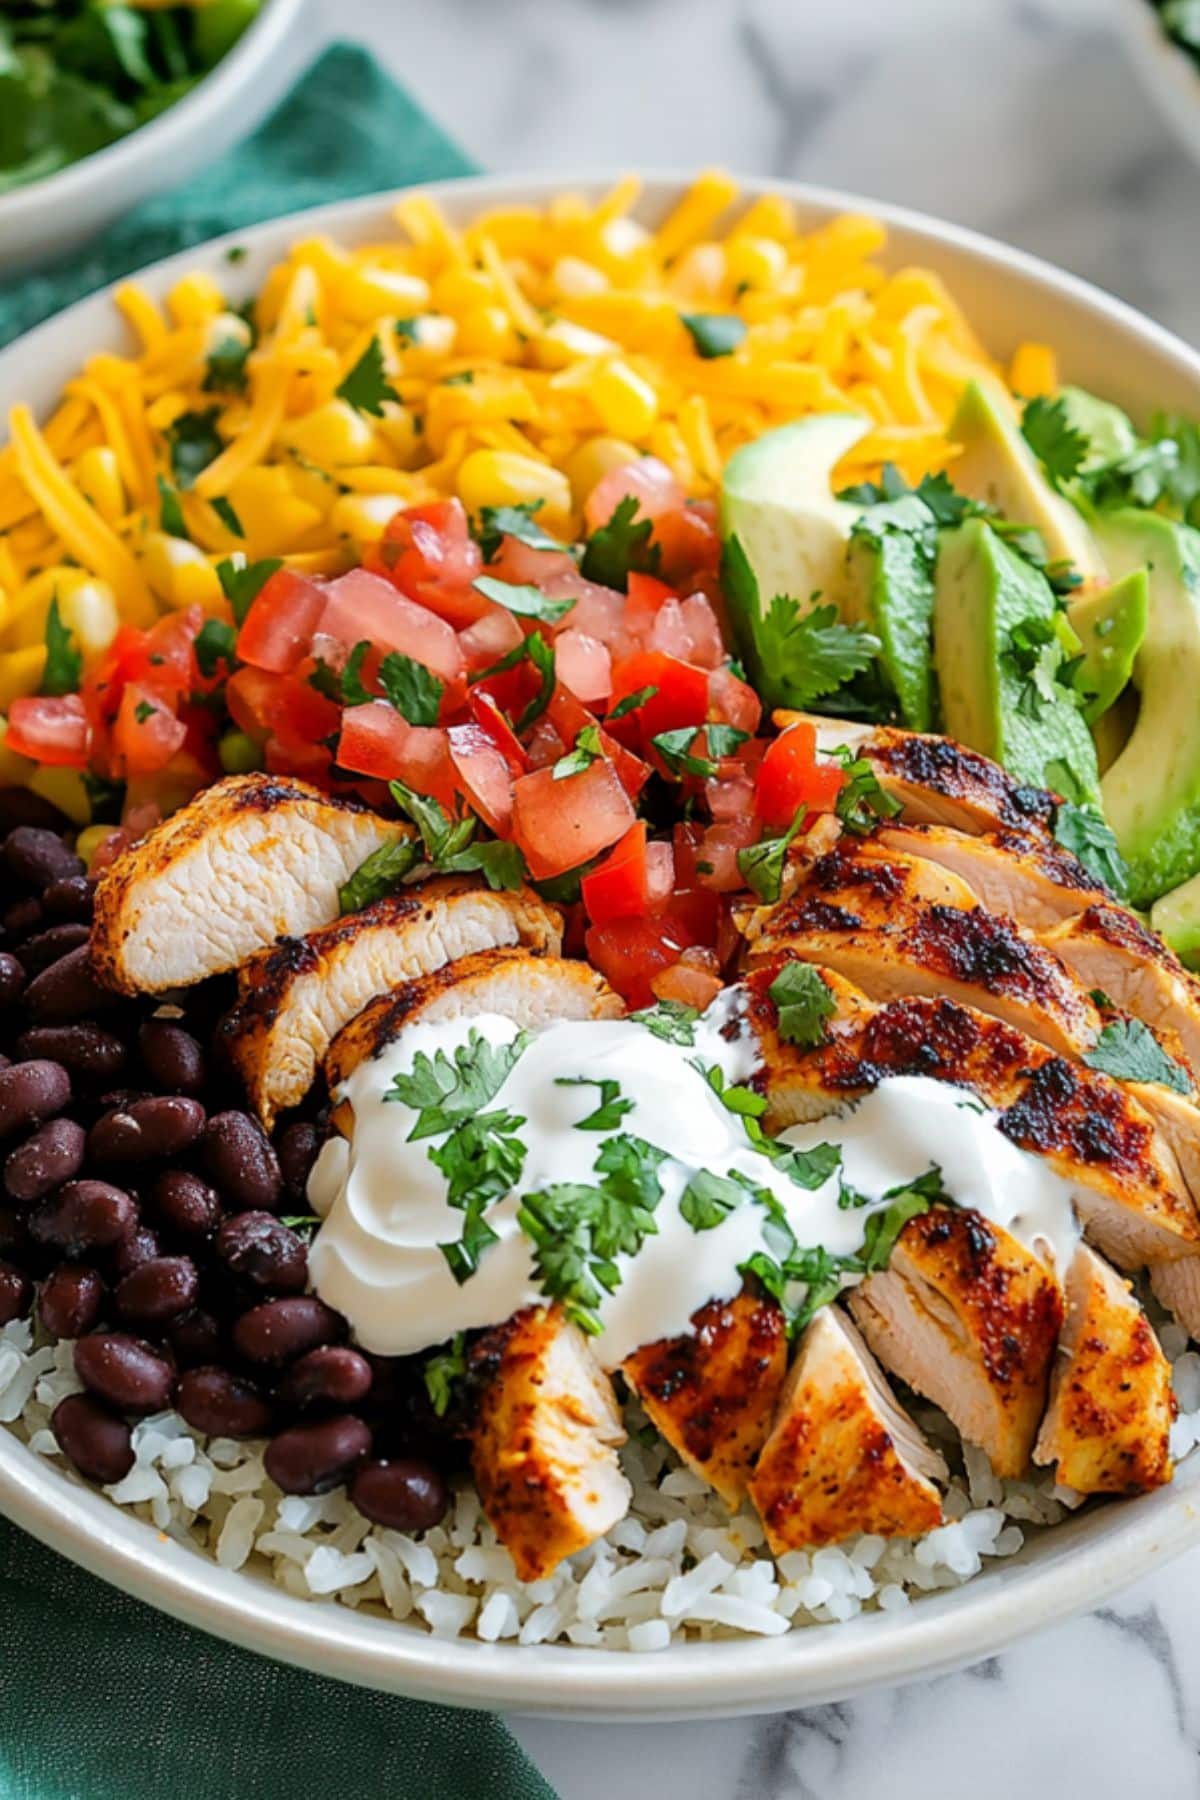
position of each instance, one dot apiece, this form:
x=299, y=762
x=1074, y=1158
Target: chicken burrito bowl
x=600, y=869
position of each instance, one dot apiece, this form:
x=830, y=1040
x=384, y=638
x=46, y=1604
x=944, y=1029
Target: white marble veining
x=1020, y=117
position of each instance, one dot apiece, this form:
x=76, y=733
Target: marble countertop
x=1023, y=118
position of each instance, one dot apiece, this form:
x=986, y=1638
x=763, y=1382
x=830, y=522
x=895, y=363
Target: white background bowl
x=1170, y=75
x=53, y=215
x=1102, y=344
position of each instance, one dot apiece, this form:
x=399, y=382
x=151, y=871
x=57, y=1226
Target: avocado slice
x=1109, y=431
x=997, y=644
x=1176, y=917
x=1152, y=790
x=777, y=500
x=889, y=588
x=998, y=467
x=1110, y=624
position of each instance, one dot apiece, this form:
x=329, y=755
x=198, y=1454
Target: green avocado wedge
x=889, y=589
x=1110, y=624
x=1176, y=917
x=997, y=652
x=1152, y=790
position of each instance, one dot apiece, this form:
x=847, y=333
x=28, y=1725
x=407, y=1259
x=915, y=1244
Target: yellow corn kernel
x=703, y=203
x=90, y=611
x=594, y=458
x=273, y=516
x=178, y=572
x=195, y=299
x=459, y=289
x=427, y=338
x=312, y=485
x=331, y=435
x=488, y=331
x=20, y=673
x=364, y=517
x=369, y=291
x=90, y=840
x=625, y=401
x=14, y=770
x=1034, y=370
x=501, y=478
x=402, y=434
x=754, y=262
x=700, y=272
x=572, y=277
x=565, y=342
x=63, y=788
x=99, y=478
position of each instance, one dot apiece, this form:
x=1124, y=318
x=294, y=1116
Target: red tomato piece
x=521, y=564
x=681, y=697
x=51, y=729
x=284, y=614
x=649, y=481
x=146, y=734
x=488, y=716
x=376, y=741
x=493, y=635
x=733, y=702
x=660, y=875
x=690, y=543
x=560, y=824
x=429, y=554
x=698, y=910
x=706, y=645
x=584, y=665
x=483, y=775
x=361, y=606
x=789, y=776
x=630, y=952
x=694, y=980
x=617, y=887
x=716, y=855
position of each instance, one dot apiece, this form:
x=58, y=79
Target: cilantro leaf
x=669, y=1020
x=354, y=693
x=612, y=1108
x=630, y=1168
x=228, y=517
x=578, y=1230
x=378, y=875
x=884, y=1226
x=541, y=655
x=735, y=1098
x=366, y=386
x=501, y=864
x=170, y=511
x=1058, y=446
x=1088, y=836
x=621, y=548
x=761, y=865
x=242, y=585
x=809, y=1169
x=193, y=442
x=495, y=523
x=714, y=334
x=414, y=691
x=225, y=365
x=215, y=642
x=444, y=1090
x=631, y=702
x=526, y=601
x=588, y=749
x=708, y=1200
x=675, y=748
x=443, y=1370
x=1128, y=1050
x=812, y=654
x=862, y=801
x=63, y=668
x=803, y=1003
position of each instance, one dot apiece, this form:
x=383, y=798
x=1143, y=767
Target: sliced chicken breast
x=250, y=859
x=866, y=914
x=843, y=1457
x=545, y=1439
x=1176, y=1285
x=296, y=998
x=1108, y=1425
x=712, y=1392
x=1107, y=948
x=1021, y=873
x=1130, y=1195
x=970, y=1318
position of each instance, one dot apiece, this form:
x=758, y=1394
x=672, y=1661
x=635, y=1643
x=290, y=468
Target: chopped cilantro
x=1058, y=446
x=229, y=519
x=144, y=710
x=378, y=875
x=631, y=702
x=242, y=584
x=798, y=657
x=225, y=365
x=495, y=523
x=708, y=1200
x=366, y=386
x=215, y=642
x=194, y=441
x=541, y=655
x=675, y=748
x=862, y=801
x=761, y=865
x=170, y=510
x=526, y=601
x=443, y=1370
x=1128, y=1050
x=803, y=1003
x=621, y=548
x=63, y=668
x=588, y=749
x=612, y=1108
x=444, y=1090
x=450, y=846
x=578, y=1230
x=414, y=691
x=669, y=1020
x=464, y=378
x=714, y=334
x=1088, y=836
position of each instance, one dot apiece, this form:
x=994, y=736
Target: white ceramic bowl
x=1169, y=74
x=1103, y=345
x=53, y=215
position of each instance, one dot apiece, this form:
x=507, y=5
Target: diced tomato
x=733, y=702
x=732, y=794
x=630, y=952
x=560, y=824
x=598, y=611
x=429, y=554
x=681, y=697
x=584, y=665
x=361, y=606
x=493, y=635
x=299, y=716
x=312, y=762
x=250, y=695
x=520, y=563
x=569, y=716
x=146, y=734
x=716, y=855
x=789, y=776
x=632, y=771
x=284, y=614
x=617, y=887
x=50, y=729
x=660, y=874
x=648, y=481
x=489, y=717
x=689, y=542
x=669, y=634
x=544, y=745
x=706, y=645
x=483, y=775
x=695, y=980
x=375, y=740
x=698, y=910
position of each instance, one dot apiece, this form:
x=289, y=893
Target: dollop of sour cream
x=385, y=1211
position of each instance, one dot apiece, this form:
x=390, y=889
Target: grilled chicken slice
x=1021, y=873
x=1176, y=1285
x=1108, y=1425
x=970, y=1318
x=297, y=997
x=531, y=990
x=842, y=1457
x=544, y=1442
x=936, y=781
x=711, y=1393
x=867, y=914
x=251, y=859
x=1107, y=948
x=1127, y=1186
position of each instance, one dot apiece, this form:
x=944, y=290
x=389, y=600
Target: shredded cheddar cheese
x=513, y=357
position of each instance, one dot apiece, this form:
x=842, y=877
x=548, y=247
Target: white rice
x=677, y=1567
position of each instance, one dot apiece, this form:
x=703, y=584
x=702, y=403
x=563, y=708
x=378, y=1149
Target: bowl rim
x=263, y=38
x=1079, y=1565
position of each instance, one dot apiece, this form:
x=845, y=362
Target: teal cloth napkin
x=102, y=1698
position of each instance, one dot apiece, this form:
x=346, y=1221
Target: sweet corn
x=333, y=434
x=460, y=289
x=754, y=262
x=20, y=672
x=488, y=331
x=1034, y=370
x=365, y=293
x=432, y=336
x=594, y=458
x=90, y=840
x=90, y=611
x=565, y=342
x=402, y=434
x=571, y=277
x=626, y=403
x=364, y=517
x=180, y=574
x=14, y=770
x=501, y=478
x=273, y=516
x=195, y=299
x=99, y=477
x=64, y=788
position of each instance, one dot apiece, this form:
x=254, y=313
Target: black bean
x=333, y=1375
x=242, y=1163
x=147, y=1129
x=22, y=917
x=67, y=990
x=98, y=1444
x=277, y=1331
x=405, y=1495
x=297, y=1151
x=15, y=1242
x=70, y=1300
x=16, y=1293
x=257, y=1246
x=158, y=1291
x=12, y=979
x=123, y=1370
x=84, y=1216
x=171, y=1056
x=70, y=897
x=141, y=1246
x=44, y=1161
x=21, y=806
x=222, y=1404
x=37, y=857
x=311, y=1459
x=31, y=1092
x=84, y=1049
x=185, y=1204
x=196, y=1338
x=38, y=952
